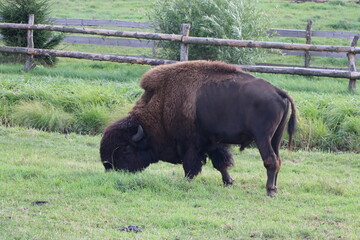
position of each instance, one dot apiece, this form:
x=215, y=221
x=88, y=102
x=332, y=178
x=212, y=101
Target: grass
x=317, y=199
x=77, y=97
x=326, y=16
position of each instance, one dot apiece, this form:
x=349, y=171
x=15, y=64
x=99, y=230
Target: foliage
x=234, y=19
x=17, y=11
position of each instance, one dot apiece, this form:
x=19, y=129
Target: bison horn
x=139, y=135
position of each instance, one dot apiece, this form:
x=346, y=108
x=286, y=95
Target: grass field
x=318, y=198
x=319, y=189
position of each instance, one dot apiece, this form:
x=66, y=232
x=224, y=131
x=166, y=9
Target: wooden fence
x=306, y=34
x=184, y=39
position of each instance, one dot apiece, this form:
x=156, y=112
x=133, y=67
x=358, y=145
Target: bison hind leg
x=221, y=159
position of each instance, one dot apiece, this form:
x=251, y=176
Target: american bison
x=193, y=110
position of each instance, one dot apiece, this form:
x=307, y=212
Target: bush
x=228, y=19
x=17, y=11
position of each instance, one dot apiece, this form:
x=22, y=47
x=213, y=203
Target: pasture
x=318, y=196
x=70, y=104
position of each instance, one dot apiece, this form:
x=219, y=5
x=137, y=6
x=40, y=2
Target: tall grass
x=41, y=116
x=39, y=99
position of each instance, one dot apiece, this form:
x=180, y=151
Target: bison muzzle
x=194, y=110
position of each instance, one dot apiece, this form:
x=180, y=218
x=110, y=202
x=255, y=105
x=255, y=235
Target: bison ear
x=139, y=135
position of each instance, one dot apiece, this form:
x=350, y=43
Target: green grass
x=328, y=16
x=133, y=10
x=318, y=196
x=76, y=97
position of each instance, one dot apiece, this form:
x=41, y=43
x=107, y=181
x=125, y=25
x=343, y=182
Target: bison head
x=125, y=146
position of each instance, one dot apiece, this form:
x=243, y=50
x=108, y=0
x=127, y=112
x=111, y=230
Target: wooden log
x=184, y=48
x=333, y=73
x=29, y=62
x=187, y=40
x=307, y=56
x=275, y=45
x=109, y=33
x=352, y=66
x=302, y=33
x=89, y=56
x=151, y=61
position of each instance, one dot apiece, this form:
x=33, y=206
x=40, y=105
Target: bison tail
x=292, y=122
x=292, y=119
x=291, y=126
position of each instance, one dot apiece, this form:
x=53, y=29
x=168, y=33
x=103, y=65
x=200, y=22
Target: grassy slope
x=318, y=197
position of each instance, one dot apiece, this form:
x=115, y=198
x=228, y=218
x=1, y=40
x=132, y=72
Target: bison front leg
x=192, y=162
x=222, y=160
x=271, y=164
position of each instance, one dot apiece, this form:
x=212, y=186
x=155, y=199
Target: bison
x=193, y=110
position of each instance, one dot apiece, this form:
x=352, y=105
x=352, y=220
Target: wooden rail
x=184, y=39
x=335, y=73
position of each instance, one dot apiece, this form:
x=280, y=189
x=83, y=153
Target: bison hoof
x=271, y=192
x=228, y=182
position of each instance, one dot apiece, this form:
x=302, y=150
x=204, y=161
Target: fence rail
x=184, y=39
x=302, y=34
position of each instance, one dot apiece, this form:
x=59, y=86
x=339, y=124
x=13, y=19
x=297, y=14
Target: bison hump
x=160, y=76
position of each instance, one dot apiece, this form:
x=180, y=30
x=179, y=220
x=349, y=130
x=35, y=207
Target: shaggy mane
x=157, y=77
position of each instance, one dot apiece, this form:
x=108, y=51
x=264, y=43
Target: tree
x=17, y=11
x=228, y=19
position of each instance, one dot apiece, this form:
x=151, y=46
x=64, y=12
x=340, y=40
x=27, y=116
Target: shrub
x=228, y=19
x=17, y=11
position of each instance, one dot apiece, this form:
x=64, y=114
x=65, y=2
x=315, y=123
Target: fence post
x=352, y=66
x=308, y=41
x=29, y=64
x=184, y=48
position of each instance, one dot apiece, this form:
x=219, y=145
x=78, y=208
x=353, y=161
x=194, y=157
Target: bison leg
x=192, y=162
x=221, y=159
x=108, y=166
x=271, y=164
x=276, y=140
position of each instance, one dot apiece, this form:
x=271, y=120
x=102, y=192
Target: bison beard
x=194, y=110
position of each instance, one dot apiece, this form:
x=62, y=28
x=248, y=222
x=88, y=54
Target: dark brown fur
x=181, y=113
